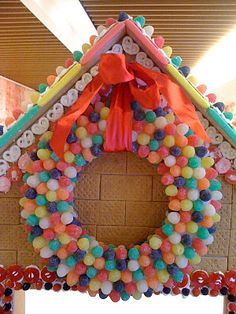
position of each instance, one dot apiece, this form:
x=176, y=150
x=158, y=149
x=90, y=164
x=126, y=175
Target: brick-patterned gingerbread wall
x=120, y=200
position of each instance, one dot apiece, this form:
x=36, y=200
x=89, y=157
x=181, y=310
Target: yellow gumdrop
x=41, y=211
x=64, y=238
x=104, y=113
x=51, y=196
x=207, y=162
x=163, y=276
x=171, y=190
x=216, y=218
x=170, y=118
x=193, y=80
x=34, y=97
x=186, y=205
x=188, y=151
x=23, y=201
x=167, y=50
x=114, y=275
x=46, y=136
x=89, y=259
x=143, y=139
x=155, y=242
x=85, y=47
x=192, y=227
x=169, y=141
x=39, y=242
x=196, y=260
x=137, y=295
x=178, y=249
x=81, y=132
x=69, y=157
x=83, y=244
x=187, y=172
x=94, y=284
x=43, y=154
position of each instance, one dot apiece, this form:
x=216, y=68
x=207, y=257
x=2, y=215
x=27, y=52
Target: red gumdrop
x=145, y=249
x=75, y=148
x=80, y=268
x=61, y=165
x=185, y=216
x=211, y=173
x=92, y=128
x=162, y=169
x=195, y=292
x=37, y=166
x=103, y=275
x=170, y=129
x=110, y=21
x=48, y=234
x=130, y=288
x=149, y=271
x=163, y=151
x=74, y=231
x=114, y=296
x=181, y=161
x=182, y=193
x=216, y=204
x=69, y=62
x=167, y=179
x=55, y=218
x=143, y=151
x=24, y=188
x=193, y=140
x=64, y=181
x=121, y=252
x=72, y=246
x=166, y=246
x=176, y=290
x=56, y=287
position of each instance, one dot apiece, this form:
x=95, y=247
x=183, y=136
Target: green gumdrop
x=198, y=205
x=42, y=144
x=71, y=261
x=228, y=115
x=150, y=116
x=25, y=177
x=140, y=19
x=77, y=55
x=30, y=238
x=133, y=253
x=189, y=252
x=215, y=185
x=125, y=296
x=178, y=276
x=54, y=245
x=97, y=251
x=153, y=145
x=41, y=200
x=176, y=61
x=110, y=265
x=159, y=264
x=44, y=176
x=191, y=183
x=54, y=156
x=91, y=272
x=42, y=88
x=194, y=162
x=79, y=160
x=62, y=206
x=97, y=140
x=202, y=233
x=32, y=220
x=190, y=132
x=167, y=229
x=138, y=275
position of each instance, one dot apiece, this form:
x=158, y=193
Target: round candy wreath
x=167, y=256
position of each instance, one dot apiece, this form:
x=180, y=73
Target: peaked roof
x=74, y=72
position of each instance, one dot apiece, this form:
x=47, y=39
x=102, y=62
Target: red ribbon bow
x=113, y=70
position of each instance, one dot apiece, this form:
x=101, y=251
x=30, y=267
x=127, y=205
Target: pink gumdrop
x=61, y=165
x=223, y=165
x=103, y=275
x=37, y=166
x=64, y=181
x=145, y=249
x=162, y=169
x=75, y=148
x=211, y=97
x=182, y=193
x=92, y=128
x=74, y=231
x=130, y=288
x=216, y=204
x=167, y=179
x=72, y=246
x=170, y=129
x=55, y=218
x=110, y=21
x=143, y=151
x=185, y=216
x=23, y=161
x=5, y=184
x=188, y=269
x=163, y=151
x=98, y=106
x=48, y=234
x=166, y=246
x=70, y=198
x=80, y=268
x=211, y=173
x=169, y=283
x=182, y=161
x=149, y=271
x=121, y=252
x=138, y=126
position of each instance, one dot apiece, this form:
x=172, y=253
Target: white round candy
x=106, y=287
x=133, y=265
x=102, y=125
x=70, y=172
x=62, y=270
x=173, y=217
x=33, y=181
x=142, y=286
x=216, y=195
x=193, y=195
x=175, y=238
x=182, y=129
x=181, y=261
x=87, y=142
x=52, y=184
x=44, y=223
x=66, y=218
x=199, y=173
x=170, y=161
x=45, y=252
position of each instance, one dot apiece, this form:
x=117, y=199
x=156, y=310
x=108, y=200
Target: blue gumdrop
x=185, y=70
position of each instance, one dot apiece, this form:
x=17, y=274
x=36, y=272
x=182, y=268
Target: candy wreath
x=166, y=257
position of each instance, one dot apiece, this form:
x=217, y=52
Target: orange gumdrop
x=59, y=228
x=168, y=258
x=181, y=140
x=174, y=205
x=30, y=206
x=82, y=121
x=180, y=227
x=86, y=152
x=62, y=253
x=154, y=157
x=144, y=260
x=203, y=184
x=207, y=222
x=149, y=128
x=62, y=194
x=72, y=278
x=9, y=120
x=152, y=282
x=92, y=39
x=51, y=79
x=175, y=170
x=48, y=164
x=99, y=263
x=42, y=188
x=126, y=276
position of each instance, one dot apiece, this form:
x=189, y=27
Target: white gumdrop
x=209, y=240
x=66, y=218
x=62, y=270
x=45, y=252
x=199, y=173
x=70, y=172
x=173, y=217
x=175, y=238
x=182, y=128
x=86, y=142
x=181, y=261
x=44, y=223
x=209, y=210
x=52, y=184
x=133, y=265
x=193, y=195
x=33, y=181
x=142, y=286
x=216, y=195
x=170, y=161
x=106, y=287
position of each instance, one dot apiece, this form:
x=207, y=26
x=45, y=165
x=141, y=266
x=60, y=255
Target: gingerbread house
x=164, y=180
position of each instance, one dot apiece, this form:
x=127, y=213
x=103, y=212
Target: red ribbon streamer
x=113, y=70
